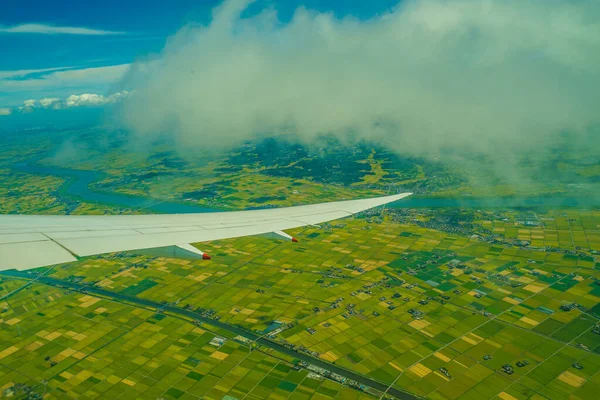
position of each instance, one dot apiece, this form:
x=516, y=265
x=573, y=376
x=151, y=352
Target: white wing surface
x=30, y=241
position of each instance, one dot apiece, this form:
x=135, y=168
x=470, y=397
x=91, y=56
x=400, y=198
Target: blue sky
x=55, y=49
x=416, y=74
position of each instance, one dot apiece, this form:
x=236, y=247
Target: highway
x=131, y=300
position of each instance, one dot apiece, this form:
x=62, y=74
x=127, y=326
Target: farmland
x=347, y=293
x=441, y=303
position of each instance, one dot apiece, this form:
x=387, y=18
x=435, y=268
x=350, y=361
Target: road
x=91, y=290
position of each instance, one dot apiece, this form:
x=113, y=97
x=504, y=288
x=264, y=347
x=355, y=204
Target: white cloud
x=92, y=99
x=74, y=100
x=55, y=30
x=432, y=75
x=5, y=111
x=27, y=107
x=50, y=102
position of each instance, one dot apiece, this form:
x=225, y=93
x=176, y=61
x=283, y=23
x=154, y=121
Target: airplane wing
x=31, y=241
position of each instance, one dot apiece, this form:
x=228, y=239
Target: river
x=77, y=186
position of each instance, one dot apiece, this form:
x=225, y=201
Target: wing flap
x=22, y=237
x=27, y=255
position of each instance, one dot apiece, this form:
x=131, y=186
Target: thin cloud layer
x=430, y=77
x=64, y=78
x=7, y=74
x=55, y=30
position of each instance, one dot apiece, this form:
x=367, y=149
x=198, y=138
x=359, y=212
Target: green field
x=502, y=301
x=434, y=302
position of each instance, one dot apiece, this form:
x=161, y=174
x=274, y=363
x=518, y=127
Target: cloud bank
x=55, y=30
x=429, y=77
x=90, y=99
x=74, y=100
x=16, y=86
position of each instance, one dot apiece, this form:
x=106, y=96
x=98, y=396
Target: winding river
x=77, y=186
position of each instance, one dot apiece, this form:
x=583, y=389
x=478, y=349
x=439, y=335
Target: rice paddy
x=436, y=314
